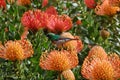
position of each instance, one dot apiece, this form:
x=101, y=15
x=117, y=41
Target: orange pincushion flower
x=23, y=2
x=44, y=3
x=97, y=69
x=34, y=19
x=58, y=60
x=16, y=50
x=90, y=3
x=115, y=61
x=73, y=45
x=58, y=23
x=102, y=70
x=106, y=9
x=98, y=52
x=2, y=4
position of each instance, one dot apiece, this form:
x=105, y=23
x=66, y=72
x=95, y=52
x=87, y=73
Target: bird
x=57, y=39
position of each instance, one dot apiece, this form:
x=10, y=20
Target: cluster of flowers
x=99, y=65
x=49, y=20
x=104, y=7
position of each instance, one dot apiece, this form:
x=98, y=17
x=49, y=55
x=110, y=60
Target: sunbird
x=57, y=39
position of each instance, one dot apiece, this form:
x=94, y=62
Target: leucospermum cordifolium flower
x=100, y=66
x=61, y=61
x=104, y=7
x=16, y=50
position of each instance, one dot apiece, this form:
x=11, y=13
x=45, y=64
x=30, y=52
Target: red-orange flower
x=23, y=2
x=44, y=3
x=58, y=60
x=106, y=9
x=90, y=3
x=58, y=23
x=2, y=4
x=16, y=50
x=73, y=45
x=34, y=19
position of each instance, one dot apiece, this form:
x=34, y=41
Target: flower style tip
x=58, y=60
x=23, y=2
x=34, y=19
x=58, y=23
x=16, y=50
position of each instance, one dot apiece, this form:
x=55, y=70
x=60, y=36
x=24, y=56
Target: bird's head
x=53, y=36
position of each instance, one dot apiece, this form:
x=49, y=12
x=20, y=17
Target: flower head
x=2, y=4
x=58, y=23
x=16, y=50
x=90, y=3
x=58, y=60
x=34, y=19
x=106, y=9
x=23, y=2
